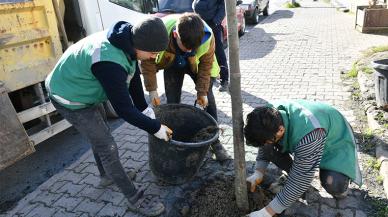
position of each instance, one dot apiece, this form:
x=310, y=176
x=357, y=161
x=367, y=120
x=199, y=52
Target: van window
x=130, y=4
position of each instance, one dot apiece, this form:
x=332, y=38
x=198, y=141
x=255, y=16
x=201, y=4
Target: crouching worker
x=104, y=66
x=317, y=136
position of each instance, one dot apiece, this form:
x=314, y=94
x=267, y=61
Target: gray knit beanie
x=150, y=35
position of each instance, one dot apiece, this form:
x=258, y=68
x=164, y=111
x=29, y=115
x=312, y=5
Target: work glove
x=149, y=112
x=261, y=213
x=255, y=179
x=164, y=133
x=154, y=98
x=202, y=101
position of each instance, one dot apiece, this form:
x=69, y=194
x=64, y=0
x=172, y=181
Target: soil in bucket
x=217, y=199
x=204, y=134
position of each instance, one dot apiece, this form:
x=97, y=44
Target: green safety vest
x=72, y=83
x=169, y=22
x=300, y=117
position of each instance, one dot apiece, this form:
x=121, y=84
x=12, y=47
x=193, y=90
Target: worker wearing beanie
x=190, y=51
x=101, y=67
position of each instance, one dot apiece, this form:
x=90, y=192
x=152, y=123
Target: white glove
x=261, y=213
x=255, y=179
x=154, y=98
x=164, y=133
x=149, y=112
x=202, y=101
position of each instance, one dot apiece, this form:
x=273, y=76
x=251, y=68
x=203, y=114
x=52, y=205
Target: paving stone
x=73, y=177
x=91, y=192
x=47, y=198
x=71, y=188
x=64, y=213
x=91, y=179
x=80, y=167
x=89, y=207
x=111, y=196
x=91, y=169
x=41, y=211
x=68, y=202
x=111, y=210
x=26, y=209
x=55, y=186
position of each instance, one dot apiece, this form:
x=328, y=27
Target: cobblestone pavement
x=292, y=54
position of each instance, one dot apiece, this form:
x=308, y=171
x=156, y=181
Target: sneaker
x=220, y=152
x=106, y=181
x=145, y=206
x=224, y=86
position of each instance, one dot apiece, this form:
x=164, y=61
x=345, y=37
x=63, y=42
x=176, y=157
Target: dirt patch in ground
x=217, y=199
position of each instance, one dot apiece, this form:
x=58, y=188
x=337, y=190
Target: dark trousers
x=173, y=81
x=220, y=52
x=91, y=123
x=334, y=183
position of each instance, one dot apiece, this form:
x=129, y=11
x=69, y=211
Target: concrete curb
x=381, y=152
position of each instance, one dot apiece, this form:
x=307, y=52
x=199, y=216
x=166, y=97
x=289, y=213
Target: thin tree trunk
x=237, y=115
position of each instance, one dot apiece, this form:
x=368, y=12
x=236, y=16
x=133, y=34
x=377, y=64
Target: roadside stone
x=348, y=202
x=111, y=210
x=303, y=209
x=90, y=207
x=360, y=213
x=330, y=212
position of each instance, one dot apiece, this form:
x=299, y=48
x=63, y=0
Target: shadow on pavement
x=277, y=15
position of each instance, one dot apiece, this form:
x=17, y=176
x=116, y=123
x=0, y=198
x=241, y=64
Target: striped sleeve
x=307, y=157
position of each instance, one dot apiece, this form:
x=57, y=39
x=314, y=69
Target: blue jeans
x=91, y=123
x=173, y=81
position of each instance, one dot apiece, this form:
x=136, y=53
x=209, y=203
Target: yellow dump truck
x=33, y=35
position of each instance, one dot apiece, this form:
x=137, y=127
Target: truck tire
x=256, y=17
x=265, y=11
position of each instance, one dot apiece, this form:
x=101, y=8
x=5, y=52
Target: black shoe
x=224, y=86
x=145, y=206
x=220, y=152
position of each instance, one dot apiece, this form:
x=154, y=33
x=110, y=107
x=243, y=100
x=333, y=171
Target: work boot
x=224, y=86
x=220, y=152
x=140, y=204
x=106, y=180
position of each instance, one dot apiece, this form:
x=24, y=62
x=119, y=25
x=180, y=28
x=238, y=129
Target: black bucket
x=381, y=82
x=177, y=161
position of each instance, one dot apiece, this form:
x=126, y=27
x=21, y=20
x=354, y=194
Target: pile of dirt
x=217, y=199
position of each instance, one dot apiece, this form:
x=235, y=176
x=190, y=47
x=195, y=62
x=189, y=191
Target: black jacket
x=212, y=11
x=128, y=103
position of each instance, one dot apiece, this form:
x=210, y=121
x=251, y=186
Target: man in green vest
x=190, y=51
x=317, y=136
x=104, y=66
